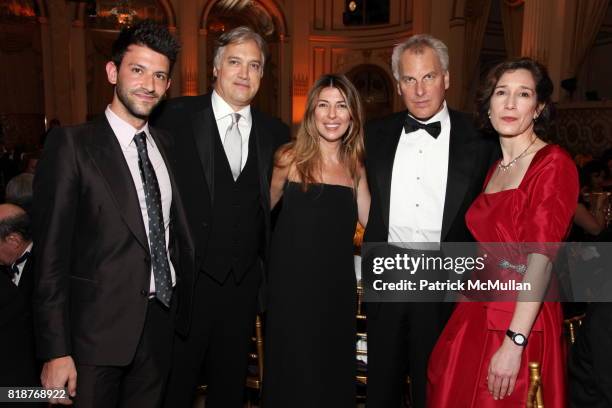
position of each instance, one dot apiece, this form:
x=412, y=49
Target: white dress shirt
x=125, y=135
x=223, y=117
x=20, y=267
x=418, y=184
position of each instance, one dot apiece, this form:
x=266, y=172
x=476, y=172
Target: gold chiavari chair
x=256, y=361
x=362, y=336
x=254, y=378
x=571, y=327
x=534, y=397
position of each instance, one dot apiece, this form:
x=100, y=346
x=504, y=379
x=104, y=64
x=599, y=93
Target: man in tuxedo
x=425, y=166
x=590, y=377
x=111, y=239
x=16, y=282
x=226, y=150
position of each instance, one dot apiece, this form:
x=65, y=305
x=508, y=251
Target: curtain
x=589, y=17
x=512, y=22
x=476, y=18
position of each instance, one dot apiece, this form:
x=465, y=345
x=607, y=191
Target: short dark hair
x=19, y=224
x=149, y=34
x=543, y=89
x=592, y=167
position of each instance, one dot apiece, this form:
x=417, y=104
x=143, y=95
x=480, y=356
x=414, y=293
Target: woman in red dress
x=481, y=359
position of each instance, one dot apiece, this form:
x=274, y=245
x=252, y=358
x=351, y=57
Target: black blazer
x=19, y=366
x=93, y=274
x=192, y=123
x=470, y=156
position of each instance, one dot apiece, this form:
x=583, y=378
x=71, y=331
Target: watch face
x=519, y=339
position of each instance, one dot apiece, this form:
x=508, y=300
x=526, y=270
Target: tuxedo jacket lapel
x=204, y=129
x=162, y=145
x=460, y=169
x=108, y=157
x=26, y=281
x=264, y=152
x=385, y=165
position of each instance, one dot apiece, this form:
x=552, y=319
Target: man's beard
x=132, y=106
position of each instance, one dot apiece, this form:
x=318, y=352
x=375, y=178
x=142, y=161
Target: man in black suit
x=16, y=281
x=226, y=150
x=425, y=166
x=111, y=239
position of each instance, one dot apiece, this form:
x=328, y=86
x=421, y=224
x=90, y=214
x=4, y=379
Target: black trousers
x=142, y=382
x=217, y=345
x=19, y=367
x=401, y=336
x=590, y=363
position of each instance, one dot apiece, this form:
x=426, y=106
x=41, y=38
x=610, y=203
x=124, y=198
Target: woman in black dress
x=310, y=325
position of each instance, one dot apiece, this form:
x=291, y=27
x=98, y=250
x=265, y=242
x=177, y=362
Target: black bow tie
x=412, y=125
x=22, y=259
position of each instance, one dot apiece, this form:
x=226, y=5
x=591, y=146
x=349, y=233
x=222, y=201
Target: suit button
x=144, y=293
x=204, y=225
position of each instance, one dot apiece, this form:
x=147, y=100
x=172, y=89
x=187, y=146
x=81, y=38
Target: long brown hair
x=304, y=150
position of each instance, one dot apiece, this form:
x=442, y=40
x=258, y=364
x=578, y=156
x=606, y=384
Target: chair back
x=534, y=397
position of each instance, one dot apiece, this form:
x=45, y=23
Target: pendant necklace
x=506, y=167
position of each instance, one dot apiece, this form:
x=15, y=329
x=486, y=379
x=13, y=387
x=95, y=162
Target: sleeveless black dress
x=310, y=325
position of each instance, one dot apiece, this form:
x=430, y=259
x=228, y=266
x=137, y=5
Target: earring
x=489, y=114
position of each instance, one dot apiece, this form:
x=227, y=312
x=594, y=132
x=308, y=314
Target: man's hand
x=59, y=373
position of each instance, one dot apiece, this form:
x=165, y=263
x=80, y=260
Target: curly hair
x=543, y=90
x=149, y=34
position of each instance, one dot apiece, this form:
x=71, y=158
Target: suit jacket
x=17, y=340
x=470, y=156
x=15, y=301
x=93, y=275
x=192, y=123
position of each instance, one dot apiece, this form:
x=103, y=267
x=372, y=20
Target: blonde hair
x=304, y=151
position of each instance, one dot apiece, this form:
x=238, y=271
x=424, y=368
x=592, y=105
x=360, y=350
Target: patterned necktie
x=233, y=146
x=157, y=232
x=412, y=125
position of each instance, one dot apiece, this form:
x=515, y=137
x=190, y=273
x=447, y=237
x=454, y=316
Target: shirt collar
x=441, y=116
x=221, y=109
x=28, y=249
x=124, y=131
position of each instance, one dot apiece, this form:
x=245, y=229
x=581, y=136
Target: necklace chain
x=506, y=167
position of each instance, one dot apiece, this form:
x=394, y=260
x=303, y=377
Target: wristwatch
x=518, y=338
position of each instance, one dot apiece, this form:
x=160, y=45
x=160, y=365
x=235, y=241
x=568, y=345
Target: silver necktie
x=233, y=146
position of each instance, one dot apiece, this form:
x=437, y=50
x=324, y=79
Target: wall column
x=78, y=70
x=188, y=21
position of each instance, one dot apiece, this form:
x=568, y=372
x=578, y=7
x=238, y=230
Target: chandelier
x=123, y=12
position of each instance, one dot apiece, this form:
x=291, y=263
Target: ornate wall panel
x=318, y=63
x=584, y=127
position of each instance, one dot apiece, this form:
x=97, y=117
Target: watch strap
x=513, y=336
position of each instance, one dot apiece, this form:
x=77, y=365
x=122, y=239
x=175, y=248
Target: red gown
x=539, y=210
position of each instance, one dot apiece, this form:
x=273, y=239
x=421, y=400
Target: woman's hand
x=504, y=368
